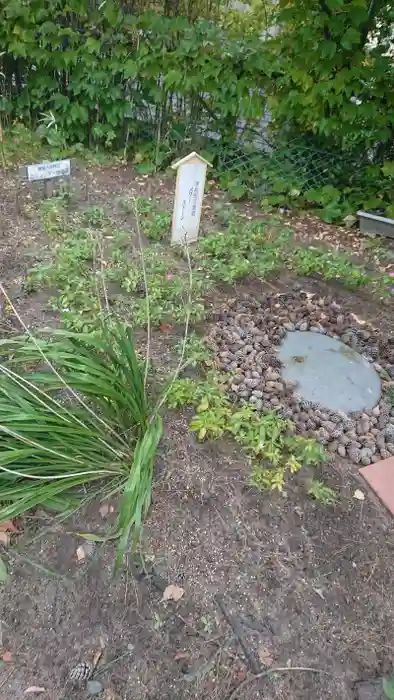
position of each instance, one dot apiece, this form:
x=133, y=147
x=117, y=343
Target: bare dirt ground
x=271, y=581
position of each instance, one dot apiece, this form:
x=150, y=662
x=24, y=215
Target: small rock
x=341, y=450
x=289, y=326
x=257, y=393
x=94, y=687
x=332, y=446
x=275, y=401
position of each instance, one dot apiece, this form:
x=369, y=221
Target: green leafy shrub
x=267, y=438
x=244, y=248
x=127, y=67
x=330, y=265
x=170, y=297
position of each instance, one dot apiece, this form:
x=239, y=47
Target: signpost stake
x=189, y=192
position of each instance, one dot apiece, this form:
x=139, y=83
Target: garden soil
x=270, y=581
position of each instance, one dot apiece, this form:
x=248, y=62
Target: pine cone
x=336, y=433
x=287, y=413
x=384, y=409
x=282, y=300
x=305, y=404
x=275, y=362
x=81, y=672
x=354, y=455
x=310, y=424
x=323, y=435
x=349, y=424
x=336, y=418
x=389, y=432
x=374, y=352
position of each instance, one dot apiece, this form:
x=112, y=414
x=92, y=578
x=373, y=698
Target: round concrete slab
x=329, y=372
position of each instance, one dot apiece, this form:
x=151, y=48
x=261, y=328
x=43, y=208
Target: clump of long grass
x=82, y=417
x=75, y=409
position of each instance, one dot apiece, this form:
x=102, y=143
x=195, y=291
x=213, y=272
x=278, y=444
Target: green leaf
x=388, y=687
x=350, y=38
x=388, y=168
x=3, y=571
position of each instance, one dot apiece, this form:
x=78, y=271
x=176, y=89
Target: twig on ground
x=8, y=676
x=237, y=629
x=279, y=669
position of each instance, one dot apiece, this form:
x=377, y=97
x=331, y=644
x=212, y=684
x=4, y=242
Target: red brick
x=380, y=477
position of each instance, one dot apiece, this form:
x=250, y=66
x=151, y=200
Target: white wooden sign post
x=189, y=192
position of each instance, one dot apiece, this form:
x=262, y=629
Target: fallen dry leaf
x=4, y=538
x=265, y=655
x=105, y=509
x=241, y=675
x=8, y=526
x=173, y=592
x=359, y=495
x=81, y=554
x=97, y=658
x=7, y=657
x=180, y=655
x=165, y=327
x=34, y=689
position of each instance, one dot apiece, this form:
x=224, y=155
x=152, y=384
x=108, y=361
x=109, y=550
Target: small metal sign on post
x=47, y=172
x=189, y=192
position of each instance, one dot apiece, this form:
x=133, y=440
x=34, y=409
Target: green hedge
x=103, y=76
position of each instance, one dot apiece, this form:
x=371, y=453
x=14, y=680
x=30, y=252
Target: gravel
x=246, y=340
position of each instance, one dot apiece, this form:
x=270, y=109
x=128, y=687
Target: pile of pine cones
x=246, y=338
